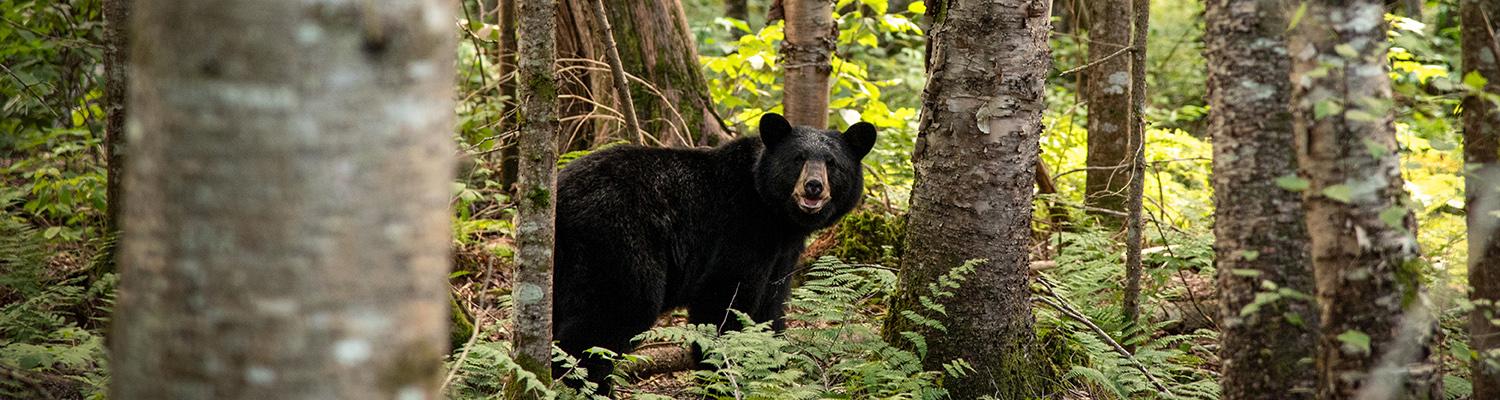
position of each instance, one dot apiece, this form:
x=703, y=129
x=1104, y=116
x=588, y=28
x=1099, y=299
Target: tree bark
x=116, y=44
x=509, y=160
x=1375, y=330
x=737, y=9
x=286, y=222
x=1140, y=13
x=1111, y=138
x=660, y=51
x=807, y=57
x=532, y=335
x=973, y=193
x=617, y=73
x=1258, y=226
x=1481, y=118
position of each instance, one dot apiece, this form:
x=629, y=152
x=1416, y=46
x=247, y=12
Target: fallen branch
x=660, y=359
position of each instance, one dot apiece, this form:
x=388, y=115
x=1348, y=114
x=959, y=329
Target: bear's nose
x=812, y=188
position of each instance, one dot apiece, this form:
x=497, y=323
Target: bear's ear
x=861, y=138
x=774, y=129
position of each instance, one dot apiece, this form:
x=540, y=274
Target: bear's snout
x=813, y=188
x=810, y=192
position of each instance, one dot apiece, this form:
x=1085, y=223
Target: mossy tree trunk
x=807, y=57
x=1481, y=48
x=286, y=229
x=1376, y=331
x=1112, y=140
x=1259, y=233
x=536, y=213
x=657, y=47
x=973, y=194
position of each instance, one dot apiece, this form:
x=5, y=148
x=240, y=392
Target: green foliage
x=40, y=326
x=1086, y=279
x=832, y=347
x=745, y=81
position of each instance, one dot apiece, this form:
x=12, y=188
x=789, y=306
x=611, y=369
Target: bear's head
x=813, y=176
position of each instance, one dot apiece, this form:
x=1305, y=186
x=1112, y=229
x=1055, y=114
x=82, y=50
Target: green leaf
x=1346, y=50
x=1297, y=16
x=52, y=232
x=1394, y=216
x=1293, y=183
x=917, y=7
x=1475, y=81
x=1341, y=193
x=1246, y=272
x=1325, y=108
x=1355, y=341
x=1375, y=148
x=1249, y=255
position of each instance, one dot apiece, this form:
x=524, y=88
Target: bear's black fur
x=641, y=231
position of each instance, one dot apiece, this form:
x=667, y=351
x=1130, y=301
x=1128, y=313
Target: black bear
x=641, y=231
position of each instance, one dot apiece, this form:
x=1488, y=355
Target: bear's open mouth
x=811, y=205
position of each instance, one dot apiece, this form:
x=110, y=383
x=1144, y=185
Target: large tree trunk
x=1112, y=141
x=116, y=43
x=532, y=335
x=657, y=47
x=286, y=223
x=1376, y=331
x=807, y=56
x=1481, y=19
x=973, y=194
x=1258, y=226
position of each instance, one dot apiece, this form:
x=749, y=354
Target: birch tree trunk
x=532, y=336
x=807, y=57
x=973, y=194
x=286, y=223
x=1481, y=20
x=1376, y=331
x=1111, y=136
x=1258, y=226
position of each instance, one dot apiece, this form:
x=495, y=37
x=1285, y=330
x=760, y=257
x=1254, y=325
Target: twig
x=1490, y=28
x=1097, y=62
x=616, y=68
x=27, y=87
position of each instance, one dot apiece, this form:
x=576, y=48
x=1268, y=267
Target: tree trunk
x=807, y=56
x=1111, y=138
x=532, y=336
x=973, y=194
x=1481, y=19
x=116, y=43
x=1259, y=233
x=674, y=104
x=1375, y=329
x=1140, y=12
x=286, y=222
x=509, y=160
x=737, y=9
